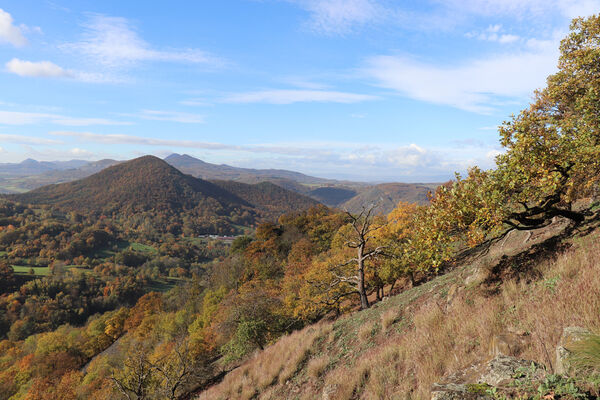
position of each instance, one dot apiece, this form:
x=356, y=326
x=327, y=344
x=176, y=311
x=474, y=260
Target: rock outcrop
x=570, y=335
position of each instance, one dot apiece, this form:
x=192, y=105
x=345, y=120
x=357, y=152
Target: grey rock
x=501, y=370
x=570, y=335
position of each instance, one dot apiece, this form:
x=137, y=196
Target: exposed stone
x=453, y=391
x=478, y=275
x=508, y=344
x=453, y=292
x=472, y=383
x=570, y=335
x=501, y=370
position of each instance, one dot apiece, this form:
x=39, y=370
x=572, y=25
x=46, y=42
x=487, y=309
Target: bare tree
x=362, y=233
x=134, y=379
x=179, y=369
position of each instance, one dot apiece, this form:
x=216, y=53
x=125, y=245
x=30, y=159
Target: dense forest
x=96, y=326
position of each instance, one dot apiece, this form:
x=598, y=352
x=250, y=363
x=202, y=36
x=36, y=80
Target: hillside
x=268, y=197
x=143, y=184
x=32, y=174
x=511, y=300
x=149, y=185
x=344, y=194
x=387, y=195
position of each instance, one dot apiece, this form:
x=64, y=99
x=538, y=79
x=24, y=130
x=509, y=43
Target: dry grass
x=317, y=366
x=367, y=331
x=433, y=338
x=388, y=318
x=276, y=364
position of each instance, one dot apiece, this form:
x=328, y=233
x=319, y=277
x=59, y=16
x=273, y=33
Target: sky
x=369, y=90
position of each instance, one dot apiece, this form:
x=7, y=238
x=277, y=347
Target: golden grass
x=437, y=337
x=388, y=318
x=367, y=331
x=317, y=366
x=276, y=364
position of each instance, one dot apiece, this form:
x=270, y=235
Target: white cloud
x=372, y=161
x=37, y=69
x=114, y=43
x=477, y=85
x=77, y=152
x=27, y=118
x=20, y=139
x=493, y=34
x=520, y=8
x=172, y=116
x=9, y=33
x=335, y=17
x=297, y=96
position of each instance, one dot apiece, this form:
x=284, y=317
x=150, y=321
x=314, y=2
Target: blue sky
x=360, y=89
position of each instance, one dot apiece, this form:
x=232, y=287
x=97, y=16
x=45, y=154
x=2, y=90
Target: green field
x=44, y=271
x=109, y=252
x=164, y=285
x=142, y=248
x=24, y=270
x=2, y=253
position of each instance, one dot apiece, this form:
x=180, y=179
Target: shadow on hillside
x=520, y=263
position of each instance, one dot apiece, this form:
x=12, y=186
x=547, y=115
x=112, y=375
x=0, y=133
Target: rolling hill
x=352, y=196
x=343, y=194
x=387, y=195
x=150, y=185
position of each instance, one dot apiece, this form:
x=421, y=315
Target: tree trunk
x=391, y=288
x=364, y=301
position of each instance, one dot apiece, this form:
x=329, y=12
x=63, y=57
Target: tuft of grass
x=367, y=331
x=585, y=354
x=278, y=363
x=388, y=318
x=316, y=366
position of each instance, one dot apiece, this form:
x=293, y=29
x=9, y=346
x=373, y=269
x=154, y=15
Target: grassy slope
x=398, y=348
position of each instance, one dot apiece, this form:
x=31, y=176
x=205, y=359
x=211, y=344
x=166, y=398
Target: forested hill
x=143, y=184
x=150, y=185
x=268, y=197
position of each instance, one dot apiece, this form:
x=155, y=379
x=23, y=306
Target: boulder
x=453, y=391
x=501, y=370
x=570, y=335
x=473, y=383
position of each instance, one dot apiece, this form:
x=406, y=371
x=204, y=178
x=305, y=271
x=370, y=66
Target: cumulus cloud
x=278, y=96
x=475, y=85
x=113, y=42
x=27, y=118
x=333, y=159
x=45, y=69
x=9, y=33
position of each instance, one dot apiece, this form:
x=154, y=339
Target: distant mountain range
x=31, y=174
